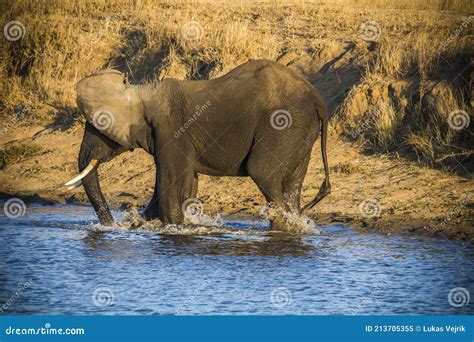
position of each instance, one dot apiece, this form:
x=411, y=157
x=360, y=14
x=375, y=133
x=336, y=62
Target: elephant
x=259, y=120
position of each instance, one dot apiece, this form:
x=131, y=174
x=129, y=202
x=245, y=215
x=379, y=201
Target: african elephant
x=259, y=120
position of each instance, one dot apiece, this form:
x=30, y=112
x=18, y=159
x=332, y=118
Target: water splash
x=294, y=222
x=205, y=225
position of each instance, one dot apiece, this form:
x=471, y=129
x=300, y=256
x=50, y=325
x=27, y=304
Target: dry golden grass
x=17, y=152
x=419, y=52
x=408, y=91
x=66, y=40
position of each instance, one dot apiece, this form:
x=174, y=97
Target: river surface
x=54, y=260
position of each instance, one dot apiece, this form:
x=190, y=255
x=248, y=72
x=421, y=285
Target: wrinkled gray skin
x=233, y=136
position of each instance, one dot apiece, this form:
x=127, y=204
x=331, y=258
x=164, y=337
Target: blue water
x=53, y=260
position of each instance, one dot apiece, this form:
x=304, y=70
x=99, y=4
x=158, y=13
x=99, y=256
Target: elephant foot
x=278, y=221
x=150, y=214
x=291, y=222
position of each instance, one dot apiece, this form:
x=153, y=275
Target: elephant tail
x=325, y=188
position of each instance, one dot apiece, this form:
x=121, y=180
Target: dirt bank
x=402, y=197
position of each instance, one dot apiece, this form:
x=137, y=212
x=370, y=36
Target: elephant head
x=115, y=115
x=112, y=106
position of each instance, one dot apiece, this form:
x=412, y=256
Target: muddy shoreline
x=408, y=199
x=456, y=228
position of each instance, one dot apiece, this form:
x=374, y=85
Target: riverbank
x=374, y=193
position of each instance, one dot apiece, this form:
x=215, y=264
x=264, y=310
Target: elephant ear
x=111, y=106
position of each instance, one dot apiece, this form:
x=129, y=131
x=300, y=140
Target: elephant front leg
x=152, y=211
x=176, y=185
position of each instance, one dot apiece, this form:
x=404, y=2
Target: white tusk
x=73, y=183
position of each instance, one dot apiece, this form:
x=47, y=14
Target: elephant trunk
x=90, y=181
x=94, y=193
x=95, y=148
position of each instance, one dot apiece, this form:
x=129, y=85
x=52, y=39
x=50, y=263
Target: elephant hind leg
x=280, y=182
x=272, y=187
x=293, y=184
x=274, y=196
